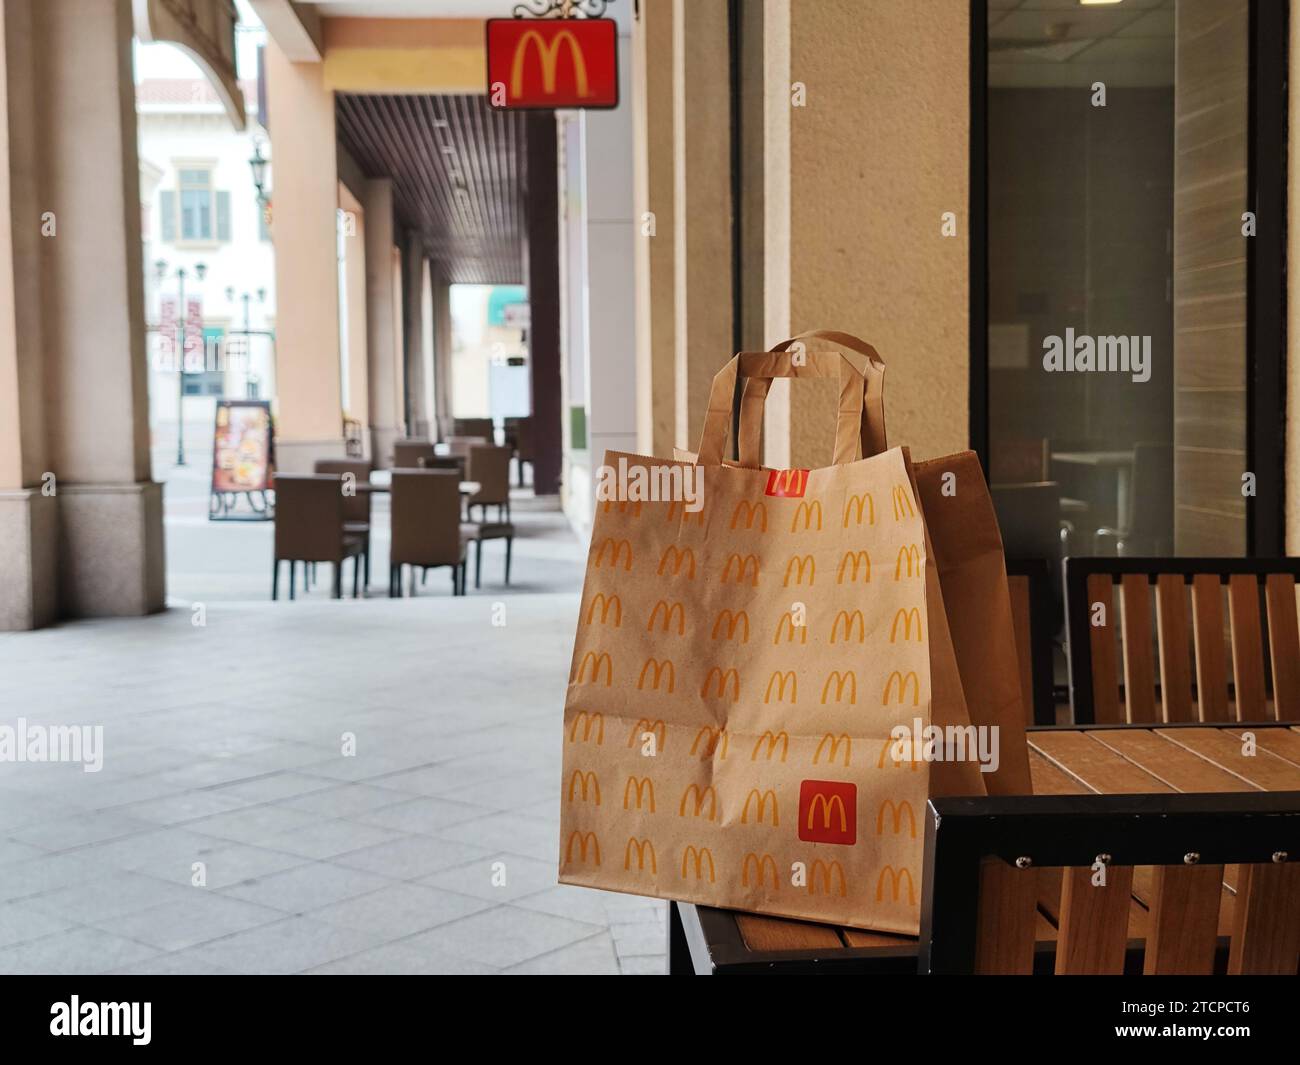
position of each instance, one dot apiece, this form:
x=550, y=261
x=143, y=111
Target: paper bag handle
x=763, y=366
x=873, y=398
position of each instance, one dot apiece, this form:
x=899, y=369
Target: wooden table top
x=1106, y=761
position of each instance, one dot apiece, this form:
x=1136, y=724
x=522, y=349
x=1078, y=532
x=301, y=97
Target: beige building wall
x=383, y=335
x=354, y=290
x=652, y=117
x=309, y=419
x=857, y=181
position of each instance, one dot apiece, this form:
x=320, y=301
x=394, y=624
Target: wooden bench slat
x=1283, y=645
x=857, y=937
x=1263, y=770
x=1092, y=935
x=1177, y=766
x=1021, y=625
x=1247, y=646
x=1099, y=767
x=1283, y=742
x=1184, y=920
x=1008, y=912
x=1266, y=933
x=1139, y=671
x=1174, y=640
x=1211, y=663
x=1105, y=678
x=778, y=933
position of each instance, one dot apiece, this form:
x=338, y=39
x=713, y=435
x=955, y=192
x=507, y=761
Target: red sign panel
x=546, y=63
x=789, y=483
x=828, y=811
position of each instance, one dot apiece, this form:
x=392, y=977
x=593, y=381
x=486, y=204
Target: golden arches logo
x=891, y=748
x=786, y=483
x=700, y=795
x=624, y=506
x=617, y=549
x=906, y=617
x=589, y=783
x=613, y=603
x=903, y=503
x=587, y=721
x=831, y=742
x=780, y=680
x=859, y=560
x=896, y=882
x=787, y=625
x=711, y=737
x=678, y=559
x=855, y=506
x=723, y=679
x=760, y=801
x=656, y=728
x=733, y=622
x=827, y=873
x=807, y=511
x=548, y=55
x=595, y=661
x=699, y=857
x=641, y=847
x=850, y=620
x=771, y=739
x=751, y=512
x=642, y=788
x=896, y=812
x=796, y=566
x=657, y=669
x=584, y=840
x=760, y=867
x=847, y=679
x=903, y=680
x=687, y=515
x=828, y=807
x=669, y=612
x=909, y=555
x=742, y=567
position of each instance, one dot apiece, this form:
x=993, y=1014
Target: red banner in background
x=547, y=63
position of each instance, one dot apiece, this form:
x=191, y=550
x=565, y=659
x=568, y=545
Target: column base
x=381, y=445
x=299, y=456
x=29, y=585
x=111, y=556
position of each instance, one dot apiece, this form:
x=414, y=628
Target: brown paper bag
x=738, y=671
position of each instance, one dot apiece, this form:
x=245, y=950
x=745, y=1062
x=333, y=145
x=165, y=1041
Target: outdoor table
x=1106, y=760
x=381, y=481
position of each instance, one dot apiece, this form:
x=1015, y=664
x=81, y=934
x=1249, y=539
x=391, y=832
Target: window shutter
x=167, y=208
x=223, y=216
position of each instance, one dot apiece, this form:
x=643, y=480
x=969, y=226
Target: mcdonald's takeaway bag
x=741, y=659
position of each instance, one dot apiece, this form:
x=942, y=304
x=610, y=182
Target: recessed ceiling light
x=1098, y=3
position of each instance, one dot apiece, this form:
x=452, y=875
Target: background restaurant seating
x=490, y=467
x=1150, y=505
x=480, y=427
x=407, y=453
x=444, y=462
x=477, y=532
x=461, y=445
x=519, y=436
x=426, y=530
x=356, y=506
x=309, y=527
x=1185, y=675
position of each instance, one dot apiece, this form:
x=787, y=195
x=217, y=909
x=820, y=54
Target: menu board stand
x=243, y=461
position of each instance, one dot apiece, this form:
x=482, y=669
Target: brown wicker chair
x=356, y=504
x=309, y=527
x=490, y=467
x=407, y=453
x=426, y=528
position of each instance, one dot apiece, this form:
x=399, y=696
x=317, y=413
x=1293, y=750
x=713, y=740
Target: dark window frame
x=1266, y=256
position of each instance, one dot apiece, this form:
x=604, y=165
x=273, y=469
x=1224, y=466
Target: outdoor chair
x=490, y=467
x=309, y=528
x=1150, y=503
x=522, y=442
x=407, y=453
x=444, y=462
x=426, y=531
x=480, y=427
x=477, y=532
x=356, y=504
x=463, y=445
x=1121, y=670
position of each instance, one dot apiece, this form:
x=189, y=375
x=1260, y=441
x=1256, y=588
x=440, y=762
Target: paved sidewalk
x=431, y=849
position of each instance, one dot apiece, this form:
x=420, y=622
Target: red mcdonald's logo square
x=545, y=63
x=788, y=483
x=828, y=812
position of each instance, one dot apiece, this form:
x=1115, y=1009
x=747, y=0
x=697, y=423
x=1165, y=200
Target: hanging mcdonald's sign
x=549, y=63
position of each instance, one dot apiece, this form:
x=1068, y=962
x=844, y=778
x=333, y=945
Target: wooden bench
x=1147, y=639
x=1216, y=915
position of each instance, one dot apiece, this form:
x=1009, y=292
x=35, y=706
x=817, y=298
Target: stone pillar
x=442, y=352
x=610, y=239
x=91, y=298
x=383, y=350
x=354, y=316
x=417, y=410
x=702, y=206
x=858, y=177
x=309, y=420
x=652, y=117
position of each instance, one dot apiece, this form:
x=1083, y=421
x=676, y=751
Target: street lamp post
x=245, y=297
x=199, y=270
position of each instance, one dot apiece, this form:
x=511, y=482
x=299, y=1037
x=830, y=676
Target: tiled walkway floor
x=431, y=849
